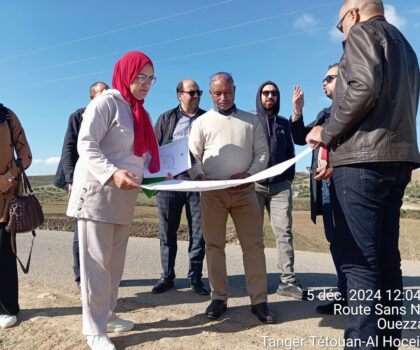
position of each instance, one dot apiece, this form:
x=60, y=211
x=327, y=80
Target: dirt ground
x=51, y=320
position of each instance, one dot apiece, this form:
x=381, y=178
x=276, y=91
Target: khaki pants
x=102, y=256
x=243, y=207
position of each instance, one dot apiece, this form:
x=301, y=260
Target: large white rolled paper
x=209, y=185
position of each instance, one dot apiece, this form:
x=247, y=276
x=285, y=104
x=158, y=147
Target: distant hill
x=41, y=180
x=301, y=177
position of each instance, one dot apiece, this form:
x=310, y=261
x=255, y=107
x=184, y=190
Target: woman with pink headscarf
x=115, y=139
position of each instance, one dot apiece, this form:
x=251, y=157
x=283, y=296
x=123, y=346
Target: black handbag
x=25, y=215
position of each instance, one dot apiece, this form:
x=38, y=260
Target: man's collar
x=230, y=111
x=183, y=113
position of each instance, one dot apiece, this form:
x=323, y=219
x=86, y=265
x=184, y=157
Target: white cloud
x=306, y=22
x=393, y=17
x=335, y=34
x=48, y=161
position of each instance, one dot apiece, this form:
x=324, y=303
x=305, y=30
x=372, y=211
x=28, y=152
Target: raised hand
x=298, y=100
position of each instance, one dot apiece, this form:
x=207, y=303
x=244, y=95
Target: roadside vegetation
x=307, y=236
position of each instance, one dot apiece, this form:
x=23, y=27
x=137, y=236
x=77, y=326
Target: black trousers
x=8, y=275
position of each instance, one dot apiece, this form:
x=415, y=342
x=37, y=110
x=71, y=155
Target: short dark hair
x=95, y=84
x=226, y=75
x=334, y=65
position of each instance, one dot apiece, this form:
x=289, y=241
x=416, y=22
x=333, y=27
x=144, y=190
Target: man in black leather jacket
x=372, y=145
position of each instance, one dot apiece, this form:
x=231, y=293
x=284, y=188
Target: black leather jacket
x=375, y=99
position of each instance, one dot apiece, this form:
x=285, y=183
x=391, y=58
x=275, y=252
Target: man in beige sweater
x=228, y=143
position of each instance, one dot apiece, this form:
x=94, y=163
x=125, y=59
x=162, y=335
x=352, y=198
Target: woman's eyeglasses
x=192, y=93
x=143, y=78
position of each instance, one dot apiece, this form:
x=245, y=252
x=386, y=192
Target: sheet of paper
x=174, y=159
x=199, y=186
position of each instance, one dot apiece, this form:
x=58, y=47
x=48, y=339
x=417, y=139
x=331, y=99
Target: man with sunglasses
x=373, y=148
x=320, y=184
x=275, y=193
x=174, y=125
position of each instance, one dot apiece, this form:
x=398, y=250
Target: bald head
x=367, y=8
x=355, y=11
x=188, y=93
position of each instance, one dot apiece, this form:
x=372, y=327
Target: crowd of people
x=365, y=147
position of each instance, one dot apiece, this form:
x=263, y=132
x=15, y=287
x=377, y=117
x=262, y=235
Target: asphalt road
x=51, y=269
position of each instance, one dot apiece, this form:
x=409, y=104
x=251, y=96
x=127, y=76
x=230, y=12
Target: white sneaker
x=116, y=324
x=99, y=342
x=7, y=321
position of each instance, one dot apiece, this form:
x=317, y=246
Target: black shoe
x=163, y=285
x=294, y=290
x=216, y=309
x=263, y=313
x=199, y=288
x=328, y=309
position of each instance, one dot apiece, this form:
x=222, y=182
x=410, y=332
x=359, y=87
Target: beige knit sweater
x=226, y=145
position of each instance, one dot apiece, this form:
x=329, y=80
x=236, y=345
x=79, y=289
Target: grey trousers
x=277, y=199
x=102, y=256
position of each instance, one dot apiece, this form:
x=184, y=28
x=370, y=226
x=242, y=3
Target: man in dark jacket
x=373, y=149
x=320, y=175
x=275, y=194
x=174, y=125
x=69, y=156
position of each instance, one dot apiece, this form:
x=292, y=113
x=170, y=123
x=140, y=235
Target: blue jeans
x=170, y=205
x=331, y=236
x=366, y=207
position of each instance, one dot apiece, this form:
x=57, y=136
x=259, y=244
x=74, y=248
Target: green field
x=307, y=236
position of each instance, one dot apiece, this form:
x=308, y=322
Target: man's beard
x=270, y=110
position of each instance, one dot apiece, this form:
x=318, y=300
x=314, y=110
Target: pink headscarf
x=125, y=71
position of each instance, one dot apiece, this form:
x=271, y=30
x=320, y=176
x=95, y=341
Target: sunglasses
x=339, y=26
x=267, y=93
x=192, y=93
x=329, y=78
x=144, y=78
